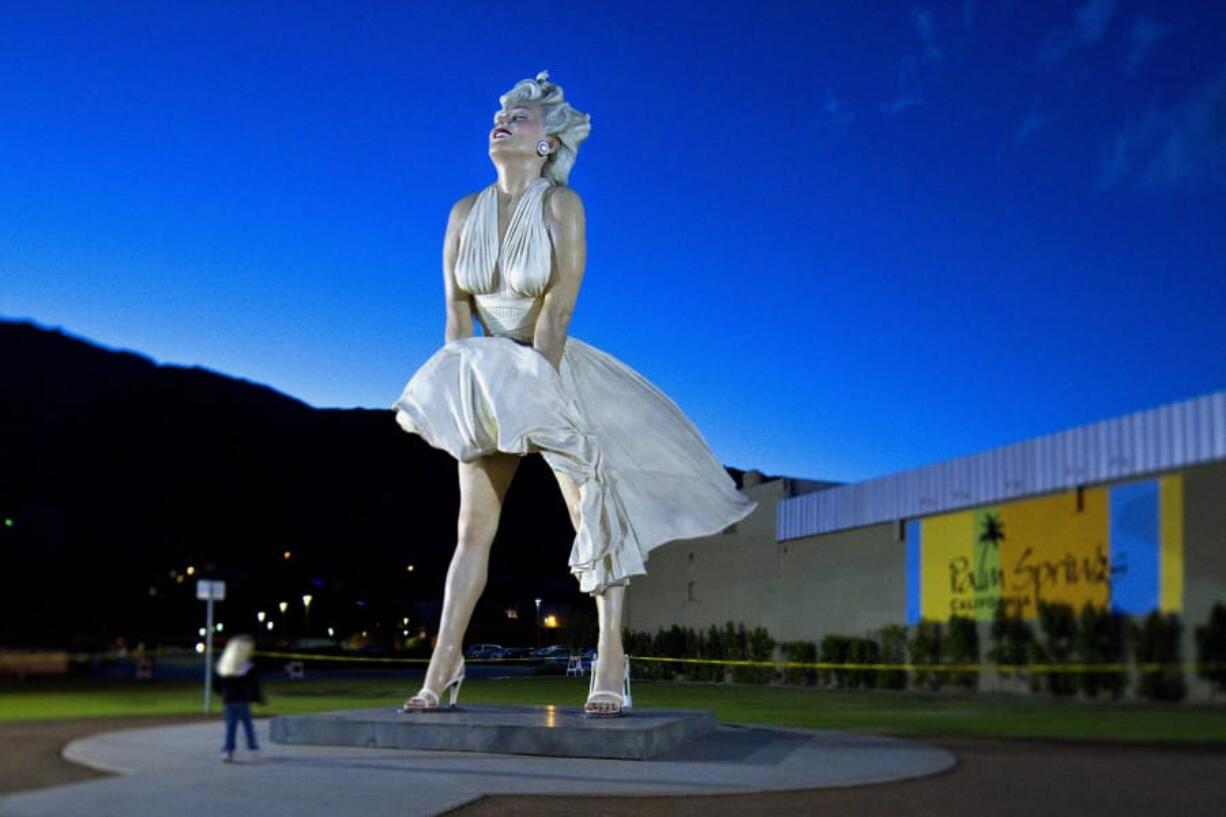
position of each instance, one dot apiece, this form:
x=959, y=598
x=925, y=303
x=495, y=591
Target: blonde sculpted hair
x=236, y=656
x=560, y=118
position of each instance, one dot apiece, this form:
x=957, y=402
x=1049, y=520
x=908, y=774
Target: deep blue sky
x=847, y=238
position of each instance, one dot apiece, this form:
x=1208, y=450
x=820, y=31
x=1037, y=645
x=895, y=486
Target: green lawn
x=897, y=713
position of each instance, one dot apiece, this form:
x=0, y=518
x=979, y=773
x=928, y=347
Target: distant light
x=191, y=570
x=406, y=632
x=405, y=621
x=284, y=606
x=8, y=523
x=363, y=634
x=551, y=622
x=331, y=632
x=306, y=600
x=410, y=568
x=286, y=555
x=538, y=602
x=199, y=647
x=512, y=613
x=179, y=578
x=270, y=625
x=203, y=632
x=153, y=591
x=260, y=616
x=220, y=626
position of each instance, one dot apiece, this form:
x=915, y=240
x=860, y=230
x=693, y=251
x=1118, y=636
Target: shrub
x=804, y=652
x=961, y=646
x=1011, y=637
x=925, y=649
x=862, y=651
x=1100, y=640
x=708, y=646
x=1211, y=648
x=893, y=640
x=643, y=645
x=834, y=650
x=1156, y=640
x=731, y=642
x=1058, y=625
x=759, y=646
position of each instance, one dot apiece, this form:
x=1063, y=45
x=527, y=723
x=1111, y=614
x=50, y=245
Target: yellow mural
x=1118, y=545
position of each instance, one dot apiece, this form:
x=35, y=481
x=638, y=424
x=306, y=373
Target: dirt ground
x=993, y=777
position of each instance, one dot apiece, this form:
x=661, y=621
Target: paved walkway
x=175, y=770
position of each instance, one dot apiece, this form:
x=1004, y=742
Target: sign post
x=209, y=591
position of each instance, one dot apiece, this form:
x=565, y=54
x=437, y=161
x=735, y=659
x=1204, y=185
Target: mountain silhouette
x=117, y=474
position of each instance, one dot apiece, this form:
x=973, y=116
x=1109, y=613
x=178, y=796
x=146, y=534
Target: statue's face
x=517, y=129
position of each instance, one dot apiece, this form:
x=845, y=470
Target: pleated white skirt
x=645, y=474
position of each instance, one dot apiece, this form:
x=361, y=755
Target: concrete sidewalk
x=175, y=770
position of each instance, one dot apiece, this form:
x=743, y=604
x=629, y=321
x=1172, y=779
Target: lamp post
x=538, y=623
x=306, y=614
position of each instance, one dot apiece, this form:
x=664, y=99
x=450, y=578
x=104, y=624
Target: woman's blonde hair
x=560, y=119
x=236, y=655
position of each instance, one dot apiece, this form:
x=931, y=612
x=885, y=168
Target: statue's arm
x=567, y=232
x=458, y=302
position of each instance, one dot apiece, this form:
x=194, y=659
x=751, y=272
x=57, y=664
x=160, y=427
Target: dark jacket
x=235, y=689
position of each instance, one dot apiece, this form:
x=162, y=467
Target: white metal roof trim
x=1163, y=438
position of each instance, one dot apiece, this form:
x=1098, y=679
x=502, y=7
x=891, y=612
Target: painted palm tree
x=993, y=530
x=989, y=575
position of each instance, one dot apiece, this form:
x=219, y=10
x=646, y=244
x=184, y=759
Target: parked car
x=516, y=652
x=553, y=649
x=476, y=652
x=553, y=656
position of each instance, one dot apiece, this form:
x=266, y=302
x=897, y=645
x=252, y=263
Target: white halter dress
x=645, y=474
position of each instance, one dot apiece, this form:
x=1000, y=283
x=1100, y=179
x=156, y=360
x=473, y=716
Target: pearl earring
x=542, y=147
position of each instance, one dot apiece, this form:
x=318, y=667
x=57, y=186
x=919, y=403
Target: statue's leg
x=611, y=655
x=483, y=485
x=609, y=608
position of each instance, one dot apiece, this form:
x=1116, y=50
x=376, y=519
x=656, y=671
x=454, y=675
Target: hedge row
x=1095, y=636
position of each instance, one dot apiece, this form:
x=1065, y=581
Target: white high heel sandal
x=619, y=701
x=424, y=695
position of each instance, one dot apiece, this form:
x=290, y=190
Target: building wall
x=852, y=582
x=1204, y=563
x=731, y=576
x=847, y=582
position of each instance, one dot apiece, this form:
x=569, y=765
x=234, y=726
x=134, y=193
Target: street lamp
x=306, y=607
x=538, y=623
x=260, y=616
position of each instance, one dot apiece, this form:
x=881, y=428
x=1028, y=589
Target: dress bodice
x=507, y=281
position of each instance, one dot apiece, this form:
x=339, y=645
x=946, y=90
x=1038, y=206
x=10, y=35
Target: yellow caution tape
x=15, y=659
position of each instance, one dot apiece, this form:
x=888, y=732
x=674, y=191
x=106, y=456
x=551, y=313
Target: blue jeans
x=234, y=714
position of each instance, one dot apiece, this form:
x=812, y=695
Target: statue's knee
x=475, y=534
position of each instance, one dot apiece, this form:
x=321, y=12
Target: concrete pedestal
x=511, y=730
